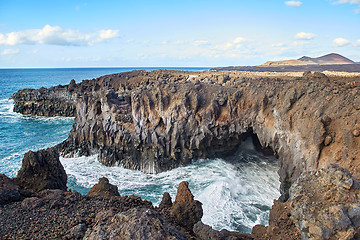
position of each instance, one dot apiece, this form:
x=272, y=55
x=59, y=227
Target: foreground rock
x=103, y=188
x=136, y=223
x=325, y=204
x=9, y=191
x=42, y=170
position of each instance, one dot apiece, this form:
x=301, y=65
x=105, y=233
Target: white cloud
x=304, y=36
x=294, y=4
x=56, y=36
x=200, y=42
x=278, y=44
x=234, y=43
x=164, y=42
x=240, y=40
x=357, y=43
x=354, y=2
x=340, y=42
x=10, y=51
x=299, y=43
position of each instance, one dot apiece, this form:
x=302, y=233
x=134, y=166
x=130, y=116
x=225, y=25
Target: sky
x=174, y=33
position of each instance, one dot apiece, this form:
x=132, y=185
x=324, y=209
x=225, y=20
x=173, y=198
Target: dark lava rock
x=315, y=76
x=103, y=188
x=77, y=232
x=42, y=170
x=32, y=203
x=205, y=232
x=185, y=210
x=9, y=191
x=136, y=223
x=166, y=201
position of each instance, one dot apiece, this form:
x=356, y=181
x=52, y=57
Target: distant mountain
x=329, y=59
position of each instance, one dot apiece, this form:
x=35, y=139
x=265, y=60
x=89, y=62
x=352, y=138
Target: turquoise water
x=236, y=193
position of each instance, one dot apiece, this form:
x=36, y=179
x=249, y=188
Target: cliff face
x=155, y=121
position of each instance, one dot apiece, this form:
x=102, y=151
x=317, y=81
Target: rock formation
x=9, y=191
x=159, y=120
x=103, y=188
x=42, y=170
x=185, y=210
x=323, y=204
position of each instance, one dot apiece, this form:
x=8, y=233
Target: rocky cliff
x=155, y=121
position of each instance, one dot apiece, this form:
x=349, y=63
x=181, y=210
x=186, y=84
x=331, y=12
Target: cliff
x=155, y=121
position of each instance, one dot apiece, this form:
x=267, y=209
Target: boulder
x=136, y=223
x=9, y=191
x=42, y=170
x=103, y=188
x=205, y=232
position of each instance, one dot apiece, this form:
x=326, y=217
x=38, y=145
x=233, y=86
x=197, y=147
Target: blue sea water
x=236, y=193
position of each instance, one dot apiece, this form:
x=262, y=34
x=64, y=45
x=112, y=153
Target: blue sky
x=158, y=33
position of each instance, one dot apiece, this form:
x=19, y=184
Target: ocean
x=237, y=192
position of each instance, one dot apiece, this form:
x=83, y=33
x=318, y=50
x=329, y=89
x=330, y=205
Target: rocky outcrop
x=281, y=225
x=55, y=101
x=136, y=223
x=9, y=191
x=325, y=204
x=185, y=210
x=103, y=188
x=42, y=170
x=155, y=121
x=206, y=232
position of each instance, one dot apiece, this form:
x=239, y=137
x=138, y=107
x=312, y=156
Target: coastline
x=268, y=105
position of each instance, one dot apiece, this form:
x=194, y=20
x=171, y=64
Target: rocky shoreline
x=159, y=120
x=323, y=204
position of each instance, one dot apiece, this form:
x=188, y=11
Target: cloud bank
x=294, y=4
x=56, y=36
x=304, y=36
x=354, y=2
x=340, y=42
x=10, y=52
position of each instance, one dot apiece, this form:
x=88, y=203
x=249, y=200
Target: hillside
x=329, y=59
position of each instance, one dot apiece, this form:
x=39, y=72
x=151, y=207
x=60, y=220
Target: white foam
x=232, y=194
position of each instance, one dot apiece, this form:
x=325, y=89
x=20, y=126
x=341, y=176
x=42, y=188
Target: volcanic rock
x=156, y=121
x=103, y=188
x=42, y=170
x=281, y=225
x=136, y=223
x=166, y=201
x=325, y=204
x=9, y=191
x=206, y=232
x=185, y=210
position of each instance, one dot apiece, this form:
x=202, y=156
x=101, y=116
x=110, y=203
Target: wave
x=235, y=196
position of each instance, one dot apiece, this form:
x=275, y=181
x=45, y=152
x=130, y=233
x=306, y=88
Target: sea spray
x=236, y=195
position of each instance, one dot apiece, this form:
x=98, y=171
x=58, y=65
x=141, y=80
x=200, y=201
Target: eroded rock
x=9, y=190
x=185, y=210
x=136, y=223
x=42, y=170
x=155, y=121
x=103, y=188
x=324, y=204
